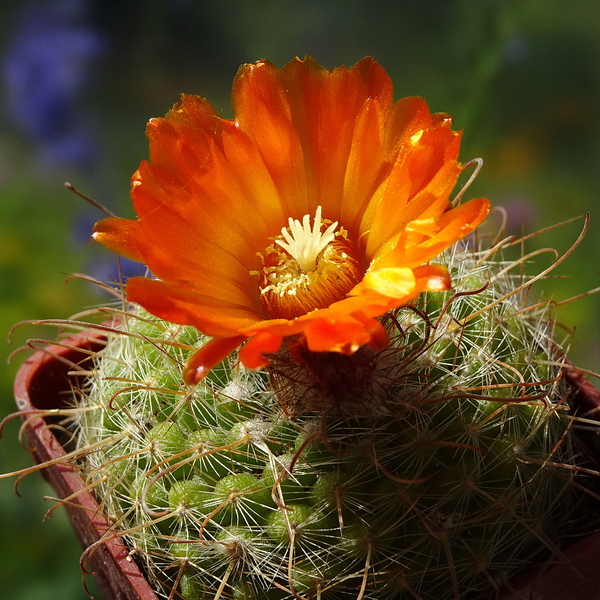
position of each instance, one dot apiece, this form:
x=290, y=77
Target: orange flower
x=312, y=212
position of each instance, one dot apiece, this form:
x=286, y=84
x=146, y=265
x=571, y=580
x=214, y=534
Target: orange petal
x=393, y=282
x=119, y=236
x=451, y=227
x=187, y=307
x=181, y=143
x=194, y=225
x=345, y=336
x=403, y=200
x=432, y=278
x=262, y=110
x=414, y=248
x=326, y=106
x=379, y=336
x=366, y=164
x=303, y=119
x=264, y=342
x=194, y=197
x=208, y=356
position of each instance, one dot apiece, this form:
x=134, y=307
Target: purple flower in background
x=47, y=71
x=520, y=213
x=113, y=270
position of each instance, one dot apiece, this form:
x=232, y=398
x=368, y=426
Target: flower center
x=306, y=268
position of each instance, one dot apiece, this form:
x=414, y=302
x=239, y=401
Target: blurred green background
x=80, y=78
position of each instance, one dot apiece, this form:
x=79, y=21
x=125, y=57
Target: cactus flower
x=311, y=213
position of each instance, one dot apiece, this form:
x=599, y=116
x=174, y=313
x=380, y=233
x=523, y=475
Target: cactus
x=433, y=469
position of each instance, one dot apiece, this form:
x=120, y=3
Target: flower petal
x=119, y=235
x=419, y=186
x=252, y=354
x=432, y=278
x=393, y=282
x=262, y=109
x=303, y=120
x=379, y=336
x=423, y=242
x=208, y=356
x=345, y=336
x=187, y=307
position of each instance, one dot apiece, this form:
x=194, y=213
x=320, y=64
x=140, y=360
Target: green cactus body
x=429, y=470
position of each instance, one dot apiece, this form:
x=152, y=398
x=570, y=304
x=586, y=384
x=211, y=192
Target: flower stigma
x=306, y=268
x=304, y=244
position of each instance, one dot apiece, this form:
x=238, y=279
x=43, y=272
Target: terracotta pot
x=43, y=383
